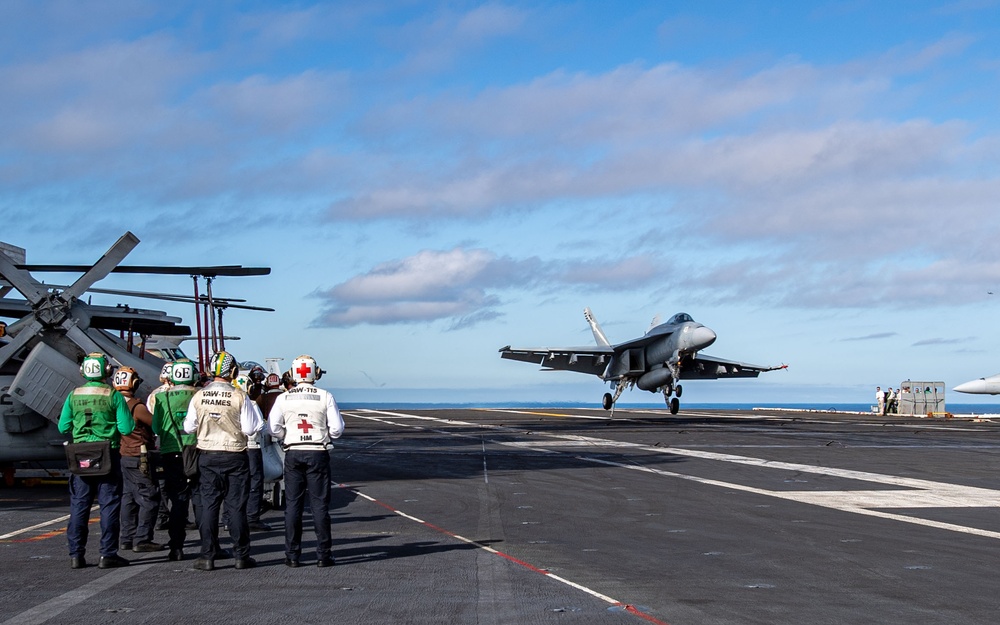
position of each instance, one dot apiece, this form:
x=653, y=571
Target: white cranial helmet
x=304, y=369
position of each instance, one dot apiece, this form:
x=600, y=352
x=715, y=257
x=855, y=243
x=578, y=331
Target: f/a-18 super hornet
x=656, y=361
x=40, y=352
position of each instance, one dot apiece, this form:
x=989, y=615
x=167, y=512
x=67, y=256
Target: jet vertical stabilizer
x=598, y=332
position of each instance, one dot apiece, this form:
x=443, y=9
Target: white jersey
x=306, y=418
x=151, y=400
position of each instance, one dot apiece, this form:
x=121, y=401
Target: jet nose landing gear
x=607, y=401
x=673, y=402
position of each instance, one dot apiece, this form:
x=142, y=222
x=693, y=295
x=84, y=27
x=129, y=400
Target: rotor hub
x=52, y=310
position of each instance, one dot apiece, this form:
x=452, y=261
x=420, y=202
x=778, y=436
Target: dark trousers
x=256, y=501
x=178, y=491
x=307, y=471
x=107, y=489
x=140, y=502
x=225, y=475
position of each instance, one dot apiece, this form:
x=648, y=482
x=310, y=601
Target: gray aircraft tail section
x=596, y=328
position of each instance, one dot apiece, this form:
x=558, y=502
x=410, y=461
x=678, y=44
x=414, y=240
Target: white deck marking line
x=917, y=494
x=836, y=500
x=57, y=605
x=40, y=525
x=545, y=414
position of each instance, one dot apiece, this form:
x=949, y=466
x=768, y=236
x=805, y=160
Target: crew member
x=96, y=412
x=140, y=492
x=306, y=418
x=169, y=413
x=253, y=385
x=163, y=520
x=164, y=385
x=223, y=417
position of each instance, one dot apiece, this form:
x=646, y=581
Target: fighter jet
x=655, y=362
x=982, y=386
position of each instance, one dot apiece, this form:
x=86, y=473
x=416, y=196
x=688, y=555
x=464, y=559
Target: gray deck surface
x=565, y=516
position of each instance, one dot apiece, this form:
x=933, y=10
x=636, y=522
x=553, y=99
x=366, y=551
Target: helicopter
x=40, y=352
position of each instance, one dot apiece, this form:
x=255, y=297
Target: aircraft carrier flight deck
x=568, y=516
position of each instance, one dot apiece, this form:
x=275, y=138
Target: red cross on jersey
x=304, y=426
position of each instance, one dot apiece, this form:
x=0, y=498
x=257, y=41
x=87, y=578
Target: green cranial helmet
x=183, y=371
x=95, y=367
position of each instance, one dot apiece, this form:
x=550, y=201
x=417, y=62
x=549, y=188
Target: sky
x=818, y=182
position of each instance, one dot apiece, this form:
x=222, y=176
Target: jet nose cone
x=702, y=337
x=976, y=387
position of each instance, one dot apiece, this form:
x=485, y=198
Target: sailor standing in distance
x=223, y=417
x=306, y=418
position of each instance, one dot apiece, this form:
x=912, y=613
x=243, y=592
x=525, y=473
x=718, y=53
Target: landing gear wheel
x=607, y=401
x=675, y=405
x=678, y=389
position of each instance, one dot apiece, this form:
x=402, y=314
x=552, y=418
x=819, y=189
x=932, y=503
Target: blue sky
x=816, y=181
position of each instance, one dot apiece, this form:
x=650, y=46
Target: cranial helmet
x=242, y=382
x=257, y=374
x=165, y=372
x=304, y=369
x=126, y=379
x=95, y=367
x=223, y=365
x=183, y=372
x=272, y=382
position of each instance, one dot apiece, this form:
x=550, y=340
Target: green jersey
x=168, y=418
x=96, y=412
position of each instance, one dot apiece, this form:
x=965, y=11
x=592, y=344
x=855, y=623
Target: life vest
x=218, y=406
x=169, y=412
x=305, y=416
x=94, y=415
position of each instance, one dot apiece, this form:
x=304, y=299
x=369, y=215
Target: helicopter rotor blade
x=102, y=267
x=20, y=280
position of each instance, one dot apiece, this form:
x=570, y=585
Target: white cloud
x=462, y=284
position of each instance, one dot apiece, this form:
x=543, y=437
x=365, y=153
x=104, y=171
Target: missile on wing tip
x=982, y=386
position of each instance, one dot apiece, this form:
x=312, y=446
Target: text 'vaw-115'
x=656, y=361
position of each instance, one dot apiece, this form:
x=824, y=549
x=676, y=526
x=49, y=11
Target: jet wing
x=593, y=360
x=705, y=367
